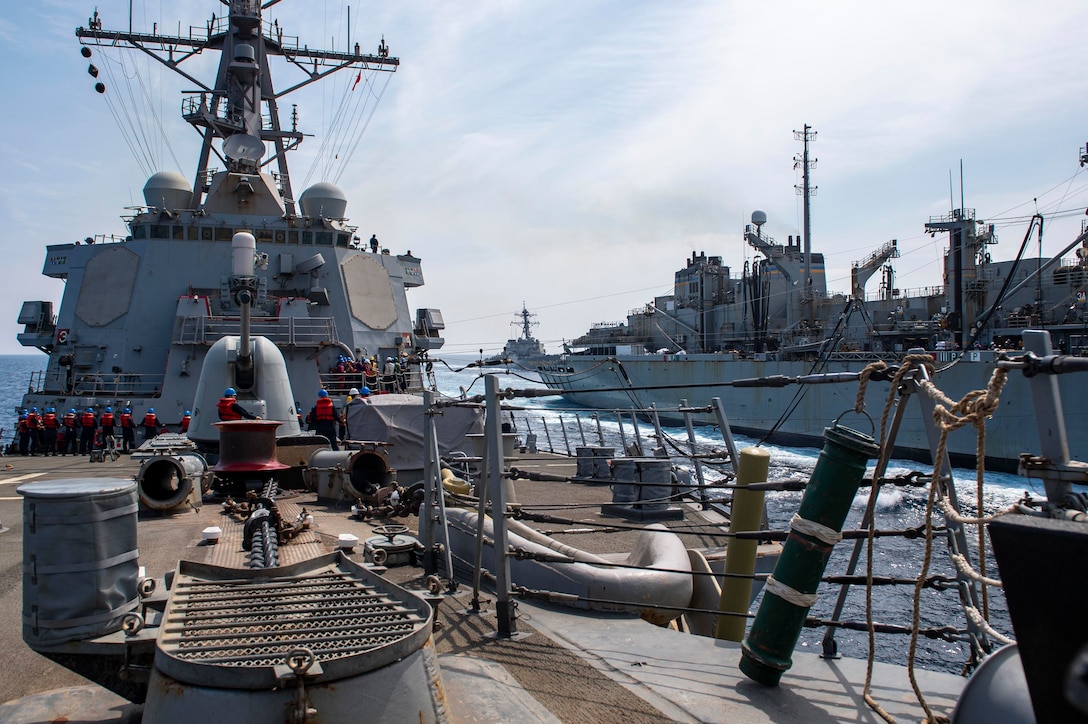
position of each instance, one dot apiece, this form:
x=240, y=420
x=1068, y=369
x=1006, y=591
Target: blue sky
x=572, y=155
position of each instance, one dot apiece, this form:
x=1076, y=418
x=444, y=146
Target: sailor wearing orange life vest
x=88, y=423
x=150, y=424
x=50, y=423
x=109, y=433
x=324, y=418
x=69, y=444
x=128, y=430
x=229, y=409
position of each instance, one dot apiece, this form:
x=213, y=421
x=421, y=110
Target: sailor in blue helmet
x=128, y=430
x=50, y=424
x=150, y=424
x=88, y=424
x=34, y=424
x=229, y=409
x=108, y=423
x=23, y=429
x=70, y=422
x=324, y=417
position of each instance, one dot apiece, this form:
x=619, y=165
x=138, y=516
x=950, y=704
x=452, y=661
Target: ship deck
x=562, y=665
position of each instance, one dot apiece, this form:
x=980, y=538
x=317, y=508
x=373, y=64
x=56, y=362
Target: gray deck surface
x=563, y=665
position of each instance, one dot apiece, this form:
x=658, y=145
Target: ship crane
x=861, y=271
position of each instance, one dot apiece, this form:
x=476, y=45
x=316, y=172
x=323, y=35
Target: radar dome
x=759, y=218
x=168, y=190
x=323, y=200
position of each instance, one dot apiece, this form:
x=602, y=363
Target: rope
x=973, y=409
x=790, y=595
x=863, y=383
x=964, y=567
x=951, y=514
x=815, y=530
x=977, y=618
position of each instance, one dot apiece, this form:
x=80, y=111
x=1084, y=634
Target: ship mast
x=807, y=191
x=234, y=109
x=526, y=322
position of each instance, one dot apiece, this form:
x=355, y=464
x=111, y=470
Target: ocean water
x=555, y=423
x=16, y=372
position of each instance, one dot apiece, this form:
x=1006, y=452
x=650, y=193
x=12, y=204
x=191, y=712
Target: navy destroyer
x=525, y=348
x=139, y=313
x=719, y=330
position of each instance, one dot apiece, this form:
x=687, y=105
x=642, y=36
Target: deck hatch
x=229, y=627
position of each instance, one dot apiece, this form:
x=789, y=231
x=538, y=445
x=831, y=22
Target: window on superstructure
x=281, y=237
x=177, y=232
x=223, y=233
x=292, y=237
x=194, y=233
x=324, y=238
x=206, y=233
x=264, y=235
x=343, y=239
x=139, y=232
x=308, y=238
x=160, y=231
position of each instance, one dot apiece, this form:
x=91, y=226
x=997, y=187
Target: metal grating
x=234, y=626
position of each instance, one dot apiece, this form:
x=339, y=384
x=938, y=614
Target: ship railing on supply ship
x=282, y=331
x=97, y=384
x=904, y=293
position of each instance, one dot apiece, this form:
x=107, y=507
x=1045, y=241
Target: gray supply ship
x=139, y=313
x=776, y=318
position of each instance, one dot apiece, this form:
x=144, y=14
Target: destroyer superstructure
x=138, y=314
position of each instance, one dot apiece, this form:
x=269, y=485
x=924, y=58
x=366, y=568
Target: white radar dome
x=323, y=200
x=759, y=218
x=168, y=190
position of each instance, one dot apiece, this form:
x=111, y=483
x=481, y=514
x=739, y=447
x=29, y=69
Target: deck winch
x=393, y=546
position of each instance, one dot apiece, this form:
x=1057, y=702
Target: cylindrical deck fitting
x=746, y=514
x=248, y=446
x=165, y=482
x=767, y=651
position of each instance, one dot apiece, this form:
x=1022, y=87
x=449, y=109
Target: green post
x=766, y=652
x=740, y=555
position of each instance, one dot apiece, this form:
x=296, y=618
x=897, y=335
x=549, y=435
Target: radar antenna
x=244, y=99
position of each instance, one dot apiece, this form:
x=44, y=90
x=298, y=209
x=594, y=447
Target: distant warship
x=139, y=313
x=524, y=348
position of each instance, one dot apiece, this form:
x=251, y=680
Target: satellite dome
x=168, y=190
x=324, y=200
x=759, y=218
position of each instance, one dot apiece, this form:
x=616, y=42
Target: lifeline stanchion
x=790, y=592
x=740, y=555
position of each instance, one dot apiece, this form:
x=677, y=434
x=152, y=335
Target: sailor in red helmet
x=324, y=417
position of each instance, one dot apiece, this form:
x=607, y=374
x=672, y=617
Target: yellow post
x=740, y=555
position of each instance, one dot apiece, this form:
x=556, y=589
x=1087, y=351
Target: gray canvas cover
x=398, y=420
